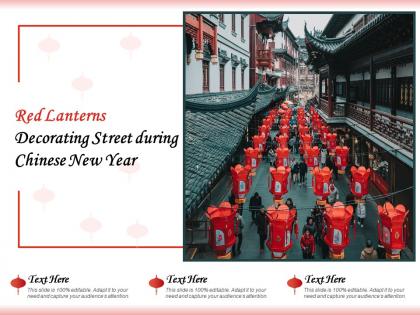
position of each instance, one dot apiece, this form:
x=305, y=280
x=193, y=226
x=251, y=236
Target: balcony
x=264, y=58
x=395, y=129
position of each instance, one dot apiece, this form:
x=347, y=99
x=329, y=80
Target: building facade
x=217, y=53
x=286, y=52
x=365, y=64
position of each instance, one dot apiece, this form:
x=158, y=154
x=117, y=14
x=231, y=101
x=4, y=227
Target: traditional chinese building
x=286, y=52
x=365, y=64
x=263, y=30
x=217, y=53
x=306, y=78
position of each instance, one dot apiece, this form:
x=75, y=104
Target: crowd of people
x=313, y=231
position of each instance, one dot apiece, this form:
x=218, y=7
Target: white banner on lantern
x=220, y=238
x=242, y=186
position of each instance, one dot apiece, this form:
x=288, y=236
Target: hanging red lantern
x=341, y=158
x=221, y=235
x=252, y=159
x=18, y=283
x=240, y=182
x=263, y=129
x=316, y=124
x=359, y=185
x=337, y=219
x=392, y=229
x=306, y=141
x=278, y=182
x=284, y=130
x=156, y=283
x=331, y=142
x=303, y=129
x=281, y=222
x=321, y=183
x=284, y=122
x=323, y=133
x=259, y=143
x=294, y=283
x=311, y=156
x=282, y=157
x=282, y=140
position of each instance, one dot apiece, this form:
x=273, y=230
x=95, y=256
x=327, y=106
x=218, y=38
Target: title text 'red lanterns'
x=280, y=222
x=278, y=182
x=240, y=182
x=337, y=219
x=221, y=235
x=392, y=229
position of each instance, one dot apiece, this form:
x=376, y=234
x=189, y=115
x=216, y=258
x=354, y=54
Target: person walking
x=262, y=224
x=323, y=156
x=334, y=195
x=350, y=202
x=255, y=205
x=303, y=169
x=272, y=157
x=307, y=244
x=295, y=170
x=238, y=226
x=309, y=226
x=361, y=213
x=369, y=253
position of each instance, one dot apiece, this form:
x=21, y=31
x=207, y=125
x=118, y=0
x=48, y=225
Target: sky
x=297, y=22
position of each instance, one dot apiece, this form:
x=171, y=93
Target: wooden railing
x=394, y=128
x=323, y=105
x=359, y=113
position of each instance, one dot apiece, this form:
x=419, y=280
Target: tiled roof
x=211, y=137
x=334, y=45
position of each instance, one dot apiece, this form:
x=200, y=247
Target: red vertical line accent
x=18, y=53
x=18, y=227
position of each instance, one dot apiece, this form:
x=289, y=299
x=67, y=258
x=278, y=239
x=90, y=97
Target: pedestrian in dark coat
x=309, y=226
x=255, y=205
x=303, y=169
x=262, y=224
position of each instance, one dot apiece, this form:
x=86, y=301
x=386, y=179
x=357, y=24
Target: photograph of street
x=299, y=136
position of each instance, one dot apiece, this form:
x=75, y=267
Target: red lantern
x=341, y=158
x=306, y=139
x=278, y=183
x=282, y=140
x=284, y=130
x=282, y=157
x=303, y=129
x=311, y=156
x=294, y=283
x=156, y=283
x=392, y=229
x=221, y=235
x=284, y=122
x=337, y=219
x=240, y=182
x=321, y=183
x=323, y=134
x=316, y=123
x=331, y=142
x=259, y=143
x=252, y=159
x=280, y=222
x=263, y=129
x=18, y=283
x=359, y=181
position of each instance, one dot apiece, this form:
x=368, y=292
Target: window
x=340, y=89
x=243, y=79
x=221, y=18
x=233, y=79
x=233, y=24
x=222, y=77
x=206, y=76
x=405, y=95
x=242, y=28
x=383, y=92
